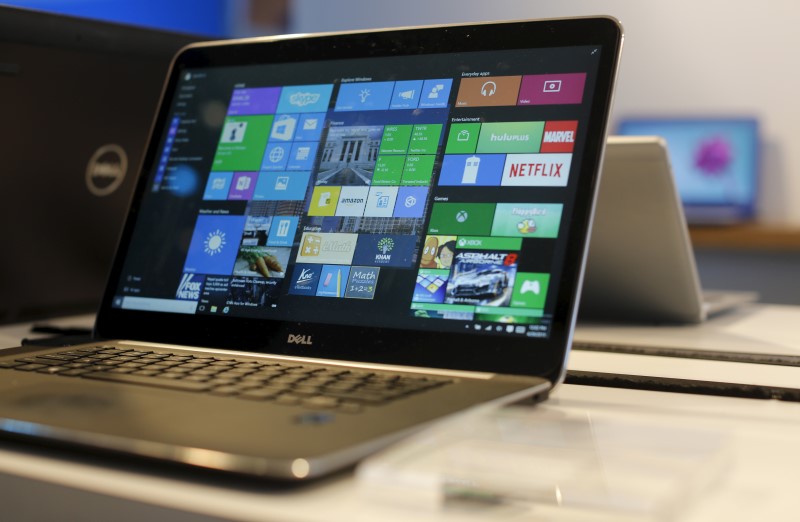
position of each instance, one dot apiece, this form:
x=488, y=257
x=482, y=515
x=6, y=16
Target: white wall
x=681, y=57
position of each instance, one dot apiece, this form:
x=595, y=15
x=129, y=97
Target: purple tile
x=552, y=89
x=243, y=185
x=254, y=101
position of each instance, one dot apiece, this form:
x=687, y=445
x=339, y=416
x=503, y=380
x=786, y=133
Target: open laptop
x=715, y=162
x=641, y=266
x=78, y=101
x=336, y=239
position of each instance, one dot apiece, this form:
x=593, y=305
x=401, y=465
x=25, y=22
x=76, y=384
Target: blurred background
x=714, y=58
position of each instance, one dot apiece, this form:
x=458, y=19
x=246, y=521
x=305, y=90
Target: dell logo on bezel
x=106, y=170
x=300, y=339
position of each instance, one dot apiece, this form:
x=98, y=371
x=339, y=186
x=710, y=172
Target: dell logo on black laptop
x=106, y=170
x=300, y=339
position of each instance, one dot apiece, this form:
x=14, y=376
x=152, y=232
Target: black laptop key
x=147, y=373
x=117, y=370
x=171, y=375
x=360, y=397
x=287, y=379
x=227, y=390
x=59, y=357
x=40, y=360
x=196, y=378
x=260, y=394
x=74, y=372
x=340, y=386
x=30, y=367
x=103, y=355
x=51, y=369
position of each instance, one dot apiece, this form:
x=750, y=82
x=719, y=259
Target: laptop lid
x=418, y=196
x=79, y=98
x=715, y=162
x=641, y=266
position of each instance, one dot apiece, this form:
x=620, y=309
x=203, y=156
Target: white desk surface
x=754, y=328
x=760, y=483
x=751, y=329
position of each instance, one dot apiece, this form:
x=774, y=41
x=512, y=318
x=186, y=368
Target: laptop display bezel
x=462, y=351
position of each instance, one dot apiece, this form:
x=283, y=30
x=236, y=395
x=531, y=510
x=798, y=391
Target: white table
x=759, y=482
x=753, y=329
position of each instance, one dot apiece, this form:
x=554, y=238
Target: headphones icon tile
x=488, y=88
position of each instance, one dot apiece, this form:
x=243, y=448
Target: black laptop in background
x=78, y=99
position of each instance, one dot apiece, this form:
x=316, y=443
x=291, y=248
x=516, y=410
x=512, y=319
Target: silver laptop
x=78, y=100
x=334, y=240
x=641, y=266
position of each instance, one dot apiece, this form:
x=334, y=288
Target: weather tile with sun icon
x=215, y=243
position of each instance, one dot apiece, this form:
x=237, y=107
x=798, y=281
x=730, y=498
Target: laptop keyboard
x=313, y=386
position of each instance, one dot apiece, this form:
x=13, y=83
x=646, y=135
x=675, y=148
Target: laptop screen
x=427, y=191
x=715, y=163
